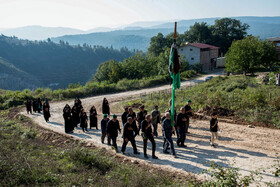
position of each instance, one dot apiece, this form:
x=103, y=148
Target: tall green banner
x=174, y=70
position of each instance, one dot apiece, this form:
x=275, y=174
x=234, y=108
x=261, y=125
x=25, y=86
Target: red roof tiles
x=203, y=46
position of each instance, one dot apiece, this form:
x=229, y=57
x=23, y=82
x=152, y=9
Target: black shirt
x=128, y=133
x=187, y=108
x=144, y=124
x=180, y=122
x=124, y=117
x=113, y=128
x=141, y=116
x=212, y=122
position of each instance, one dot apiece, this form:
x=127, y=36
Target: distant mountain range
x=136, y=35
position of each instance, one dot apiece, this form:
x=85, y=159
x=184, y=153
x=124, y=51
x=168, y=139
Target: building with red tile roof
x=201, y=53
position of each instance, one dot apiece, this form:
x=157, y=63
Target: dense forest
x=48, y=64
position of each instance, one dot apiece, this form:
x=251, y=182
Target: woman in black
x=28, y=105
x=83, y=120
x=35, y=105
x=68, y=121
x=46, y=111
x=75, y=115
x=66, y=107
x=93, y=117
x=39, y=105
x=78, y=104
x=105, y=107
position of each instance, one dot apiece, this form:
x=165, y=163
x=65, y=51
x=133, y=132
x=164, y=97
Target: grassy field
x=244, y=96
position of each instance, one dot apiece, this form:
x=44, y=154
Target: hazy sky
x=87, y=14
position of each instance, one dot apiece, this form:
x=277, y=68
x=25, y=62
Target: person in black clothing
x=103, y=125
x=75, y=116
x=83, y=120
x=147, y=133
x=39, y=105
x=167, y=134
x=181, y=127
x=214, y=128
x=141, y=115
x=78, y=105
x=93, y=117
x=47, y=102
x=77, y=101
x=28, y=105
x=124, y=116
x=155, y=120
x=66, y=107
x=46, y=112
x=189, y=113
x=112, y=131
x=35, y=105
x=105, y=107
x=128, y=135
x=133, y=116
x=68, y=121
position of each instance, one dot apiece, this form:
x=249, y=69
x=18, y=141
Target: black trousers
x=168, y=141
x=181, y=135
x=132, y=141
x=151, y=138
x=114, y=140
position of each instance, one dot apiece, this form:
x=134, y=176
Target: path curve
x=249, y=148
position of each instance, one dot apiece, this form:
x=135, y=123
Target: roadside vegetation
x=10, y=99
x=243, y=97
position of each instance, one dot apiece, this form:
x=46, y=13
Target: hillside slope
x=12, y=78
x=56, y=65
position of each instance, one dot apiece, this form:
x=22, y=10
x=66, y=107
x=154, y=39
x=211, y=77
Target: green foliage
x=248, y=100
x=188, y=74
x=226, y=30
x=250, y=54
x=200, y=32
x=229, y=177
x=10, y=99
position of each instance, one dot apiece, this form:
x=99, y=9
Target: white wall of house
x=190, y=53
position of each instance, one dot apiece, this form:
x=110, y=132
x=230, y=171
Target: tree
x=249, y=54
x=108, y=71
x=226, y=30
x=200, y=32
x=157, y=45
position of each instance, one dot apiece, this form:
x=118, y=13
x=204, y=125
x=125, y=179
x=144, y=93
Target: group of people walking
x=77, y=116
x=142, y=123
x=37, y=106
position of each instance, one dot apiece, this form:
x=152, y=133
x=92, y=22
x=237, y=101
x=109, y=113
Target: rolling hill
x=13, y=78
x=48, y=64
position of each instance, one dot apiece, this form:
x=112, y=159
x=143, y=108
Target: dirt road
x=249, y=148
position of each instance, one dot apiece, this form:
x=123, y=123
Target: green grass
x=31, y=156
x=248, y=99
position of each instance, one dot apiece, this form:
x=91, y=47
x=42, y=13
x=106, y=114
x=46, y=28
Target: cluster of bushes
x=248, y=99
x=10, y=99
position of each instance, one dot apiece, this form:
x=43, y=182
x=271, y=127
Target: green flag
x=174, y=70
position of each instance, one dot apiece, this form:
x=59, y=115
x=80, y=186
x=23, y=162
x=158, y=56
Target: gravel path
x=249, y=148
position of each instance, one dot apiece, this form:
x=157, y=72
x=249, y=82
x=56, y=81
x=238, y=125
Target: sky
x=88, y=14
